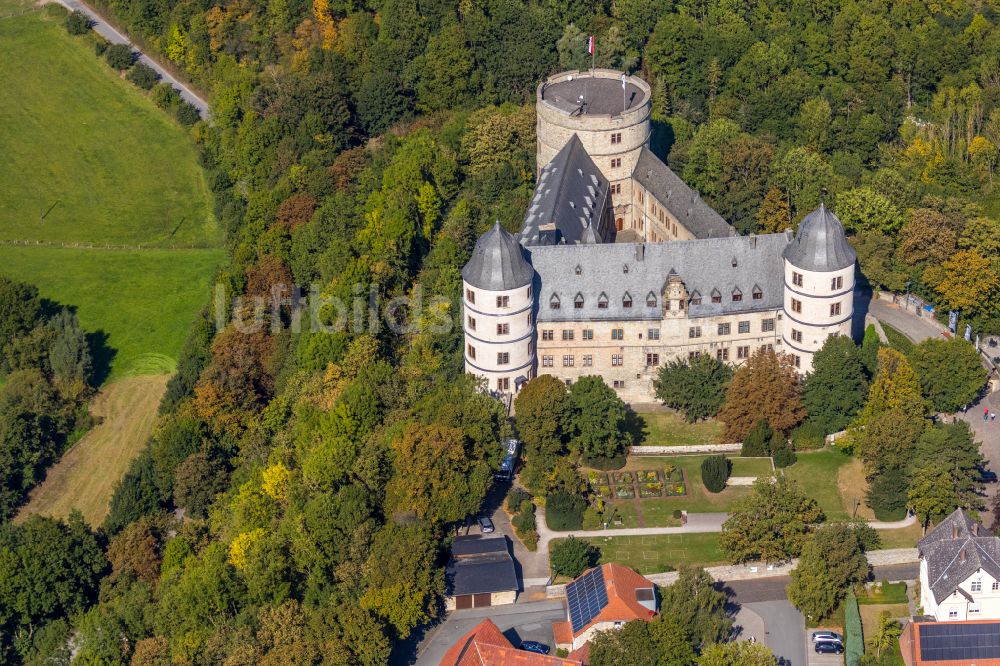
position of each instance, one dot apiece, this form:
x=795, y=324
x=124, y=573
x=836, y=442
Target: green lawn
x=653, y=554
x=87, y=158
x=668, y=428
x=752, y=467
x=816, y=474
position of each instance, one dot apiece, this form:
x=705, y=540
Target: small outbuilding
x=481, y=573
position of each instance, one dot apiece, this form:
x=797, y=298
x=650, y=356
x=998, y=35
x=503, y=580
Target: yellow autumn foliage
x=241, y=545
x=275, y=481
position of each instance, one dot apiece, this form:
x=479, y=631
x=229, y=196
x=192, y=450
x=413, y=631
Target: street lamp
x=906, y=301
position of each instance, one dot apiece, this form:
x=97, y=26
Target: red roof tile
x=486, y=645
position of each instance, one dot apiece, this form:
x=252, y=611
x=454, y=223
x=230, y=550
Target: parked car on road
x=535, y=646
x=485, y=524
x=824, y=635
x=829, y=647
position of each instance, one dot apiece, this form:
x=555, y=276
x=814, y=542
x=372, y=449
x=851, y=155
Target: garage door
x=482, y=600
x=463, y=601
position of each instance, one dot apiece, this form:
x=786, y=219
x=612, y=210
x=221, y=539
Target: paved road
x=914, y=327
x=102, y=28
x=773, y=588
x=519, y=622
x=697, y=523
x=784, y=630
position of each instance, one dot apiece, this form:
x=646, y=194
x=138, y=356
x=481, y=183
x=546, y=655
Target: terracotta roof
x=562, y=633
x=486, y=645
x=624, y=588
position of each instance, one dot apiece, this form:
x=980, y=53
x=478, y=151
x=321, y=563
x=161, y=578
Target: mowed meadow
x=110, y=187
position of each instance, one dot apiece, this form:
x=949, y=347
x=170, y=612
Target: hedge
x=852, y=628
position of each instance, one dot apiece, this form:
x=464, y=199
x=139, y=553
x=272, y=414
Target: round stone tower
x=611, y=119
x=499, y=312
x=819, y=286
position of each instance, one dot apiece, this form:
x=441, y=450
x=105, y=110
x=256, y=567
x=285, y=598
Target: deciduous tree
x=766, y=386
x=571, y=556
x=770, y=524
x=970, y=283
x=832, y=560
x=951, y=372
x=739, y=653
x=834, y=391
x=698, y=606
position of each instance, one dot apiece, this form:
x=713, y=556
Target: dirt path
x=85, y=477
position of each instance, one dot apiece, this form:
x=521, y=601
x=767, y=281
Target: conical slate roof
x=498, y=262
x=821, y=244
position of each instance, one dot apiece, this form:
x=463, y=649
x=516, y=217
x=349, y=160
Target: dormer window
x=602, y=301
x=716, y=296
x=737, y=295
x=625, y=268
x=734, y=262
x=757, y=293
x=554, y=302
x=627, y=300
x=578, y=270
x=578, y=302
x=695, y=298
x=650, y=300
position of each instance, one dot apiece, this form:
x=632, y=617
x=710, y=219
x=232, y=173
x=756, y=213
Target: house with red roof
x=486, y=645
x=603, y=598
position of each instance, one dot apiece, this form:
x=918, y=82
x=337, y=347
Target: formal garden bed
x=667, y=481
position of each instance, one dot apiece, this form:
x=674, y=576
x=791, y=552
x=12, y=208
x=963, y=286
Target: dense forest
x=295, y=501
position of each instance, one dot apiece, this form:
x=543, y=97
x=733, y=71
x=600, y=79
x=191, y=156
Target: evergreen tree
x=696, y=387
x=895, y=387
x=597, y=420
x=870, y=345
x=834, y=391
x=757, y=443
x=887, y=495
x=571, y=557
x=715, y=472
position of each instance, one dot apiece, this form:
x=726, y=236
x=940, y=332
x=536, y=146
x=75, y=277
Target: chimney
x=954, y=532
x=961, y=555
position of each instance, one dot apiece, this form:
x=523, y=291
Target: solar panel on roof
x=586, y=597
x=959, y=642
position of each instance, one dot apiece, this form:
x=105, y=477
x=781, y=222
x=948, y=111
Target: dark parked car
x=535, y=646
x=485, y=524
x=829, y=647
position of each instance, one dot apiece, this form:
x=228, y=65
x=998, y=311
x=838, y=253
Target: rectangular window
x=976, y=586
x=553, y=305
x=797, y=279
x=616, y=162
x=952, y=614
x=837, y=283
x=716, y=298
x=653, y=334
x=766, y=325
x=744, y=327
x=503, y=329
x=767, y=347
x=798, y=361
x=588, y=334
x=531, y=347
x=696, y=300
x=503, y=358
x=472, y=323
x=973, y=609
x=546, y=361
x=617, y=334
x=616, y=137
x=568, y=361
x=616, y=359
x=743, y=352
x=834, y=309
x=757, y=295
x=471, y=352
x=796, y=335
x=567, y=334
x=652, y=360
x=796, y=306
x=996, y=586
x=547, y=334
x=503, y=384
x=694, y=332
x=529, y=320
x=616, y=188
x=724, y=329
x=693, y=355
x=529, y=293
x=588, y=360
x=503, y=301
x=470, y=295
x=722, y=354
x=737, y=297
x=618, y=384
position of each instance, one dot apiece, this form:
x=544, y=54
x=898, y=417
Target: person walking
x=986, y=413
x=993, y=416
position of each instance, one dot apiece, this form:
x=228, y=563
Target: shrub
x=715, y=472
x=809, y=435
x=530, y=540
x=119, y=56
x=78, y=23
x=614, y=462
x=143, y=76
x=887, y=495
x=186, y=114
x=678, y=514
x=784, y=456
x=564, y=511
x=757, y=443
x=572, y=556
x=164, y=95
x=515, y=498
x=854, y=634
x=100, y=45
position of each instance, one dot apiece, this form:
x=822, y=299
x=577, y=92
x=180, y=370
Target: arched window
x=627, y=300
x=602, y=301
x=650, y=300
x=554, y=302
x=578, y=301
x=737, y=295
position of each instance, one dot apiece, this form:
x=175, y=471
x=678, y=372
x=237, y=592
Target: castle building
x=620, y=267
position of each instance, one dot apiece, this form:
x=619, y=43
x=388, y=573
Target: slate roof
x=497, y=262
x=821, y=244
x=569, y=199
x=480, y=565
x=942, y=550
x=486, y=645
x=705, y=266
x=683, y=203
x=601, y=96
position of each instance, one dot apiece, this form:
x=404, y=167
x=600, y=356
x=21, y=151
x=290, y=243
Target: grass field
x=653, y=554
x=668, y=428
x=89, y=150
x=84, y=478
x=816, y=473
x=88, y=159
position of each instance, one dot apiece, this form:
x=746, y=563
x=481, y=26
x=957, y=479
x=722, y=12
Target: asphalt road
x=773, y=589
